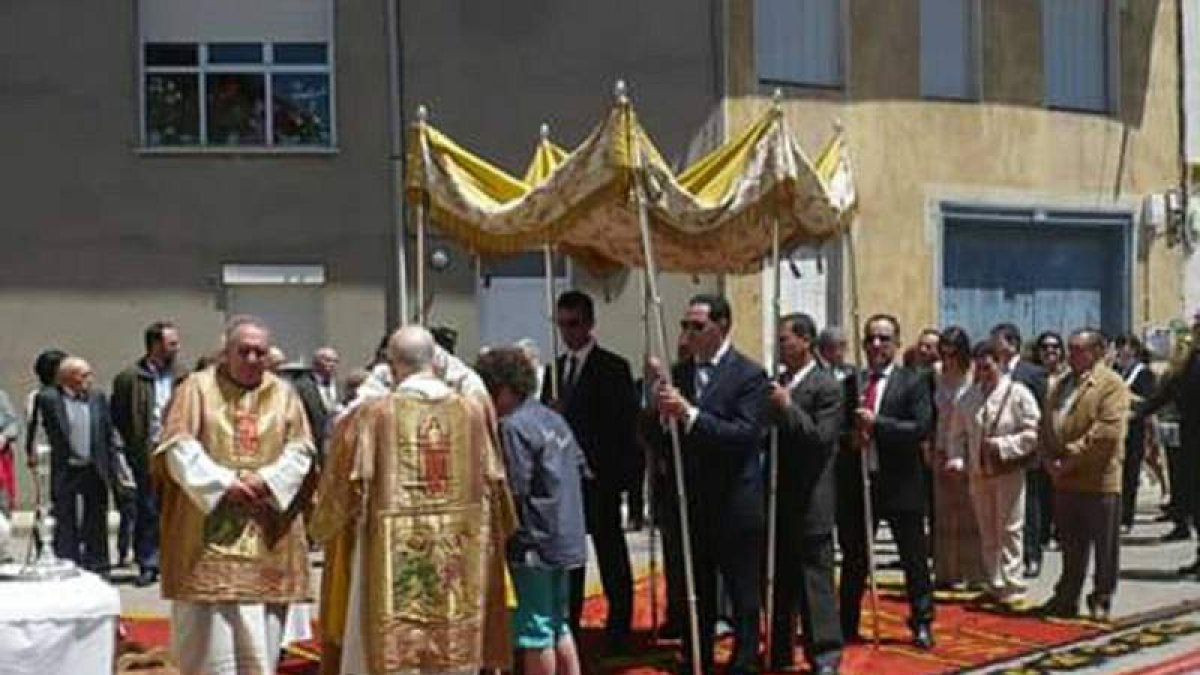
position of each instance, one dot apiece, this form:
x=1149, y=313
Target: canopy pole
x=420, y=263
x=422, y=120
x=773, y=484
x=548, y=259
x=864, y=471
x=676, y=450
x=650, y=457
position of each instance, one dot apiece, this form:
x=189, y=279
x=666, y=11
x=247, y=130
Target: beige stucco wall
x=909, y=153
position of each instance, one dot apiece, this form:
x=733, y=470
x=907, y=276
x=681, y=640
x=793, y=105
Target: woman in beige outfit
x=996, y=434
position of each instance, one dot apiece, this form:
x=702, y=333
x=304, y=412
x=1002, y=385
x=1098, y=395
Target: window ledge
x=950, y=98
x=180, y=150
x=797, y=85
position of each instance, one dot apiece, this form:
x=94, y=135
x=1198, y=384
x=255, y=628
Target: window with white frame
x=948, y=49
x=237, y=94
x=236, y=73
x=1077, y=54
x=799, y=42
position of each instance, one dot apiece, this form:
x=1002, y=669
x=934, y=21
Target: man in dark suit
x=719, y=402
x=831, y=349
x=318, y=392
x=1181, y=386
x=893, y=416
x=1039, y=493
x=597, y=397
x=82, y=440
x=140, y=394
x=806, y=406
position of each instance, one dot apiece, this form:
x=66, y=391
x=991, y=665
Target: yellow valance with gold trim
x=716, y=216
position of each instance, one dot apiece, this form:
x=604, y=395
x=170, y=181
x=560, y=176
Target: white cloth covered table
x=51, y=627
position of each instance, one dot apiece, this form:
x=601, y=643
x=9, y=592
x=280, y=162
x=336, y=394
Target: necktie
x=569, y=376
x=872, y=390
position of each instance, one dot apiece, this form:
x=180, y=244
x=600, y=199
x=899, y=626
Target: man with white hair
x=82, y=440
x=235, y=455
x=414, y=512
x=318, y=391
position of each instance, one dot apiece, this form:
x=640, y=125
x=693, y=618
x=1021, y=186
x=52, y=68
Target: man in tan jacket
x=1083, y=441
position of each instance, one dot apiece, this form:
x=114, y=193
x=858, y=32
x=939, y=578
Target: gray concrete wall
x=492, y=73
x=102, y=238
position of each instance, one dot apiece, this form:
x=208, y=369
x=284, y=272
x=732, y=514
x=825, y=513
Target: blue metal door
x=1041, y=271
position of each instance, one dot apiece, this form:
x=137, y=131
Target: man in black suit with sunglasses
x=894, y=414
x=719, y=403
x=598, y=400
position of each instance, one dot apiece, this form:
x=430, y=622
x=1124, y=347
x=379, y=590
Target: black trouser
x=602, y=508
x=1131, y=471
x=145, y=529
x=1039, y=512
x=726, y=544
x=81, y=539
x=666, y=517
x=1086, y=521
x=909, y=530
x=1179, y=472
x=804, y=582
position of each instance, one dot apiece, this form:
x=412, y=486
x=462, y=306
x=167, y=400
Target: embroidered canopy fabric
x=714, y=217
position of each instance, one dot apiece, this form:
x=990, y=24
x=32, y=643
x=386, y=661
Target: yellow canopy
x=833, y=166
x=714, y=217
x=546, y=157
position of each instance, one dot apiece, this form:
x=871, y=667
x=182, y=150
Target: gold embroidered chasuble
x=231, y=555
x=423, y=477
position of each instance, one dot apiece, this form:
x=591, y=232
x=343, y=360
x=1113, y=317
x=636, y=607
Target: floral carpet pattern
x=969, y=635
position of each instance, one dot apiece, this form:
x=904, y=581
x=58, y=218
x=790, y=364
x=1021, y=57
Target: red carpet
x=966, y=636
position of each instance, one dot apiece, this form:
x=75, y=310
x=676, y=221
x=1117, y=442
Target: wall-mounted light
x=439, y=258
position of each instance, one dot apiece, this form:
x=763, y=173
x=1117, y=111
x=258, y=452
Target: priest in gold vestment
x=235, y=459
x=414, y=513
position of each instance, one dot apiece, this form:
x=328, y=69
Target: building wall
x=910, y=153
x=103, y=238
x=491, y=74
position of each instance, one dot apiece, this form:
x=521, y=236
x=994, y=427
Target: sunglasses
x=878, y=337
x=693, y=326
x=246, y=352
x=1049, y=345
x=569, y=323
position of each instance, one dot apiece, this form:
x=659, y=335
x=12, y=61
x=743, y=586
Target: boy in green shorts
x=544, y=466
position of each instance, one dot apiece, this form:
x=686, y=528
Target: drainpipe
x=1184, y=183
x=397, y=315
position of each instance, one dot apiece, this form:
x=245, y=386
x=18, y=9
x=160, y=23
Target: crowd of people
x=453, y=502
